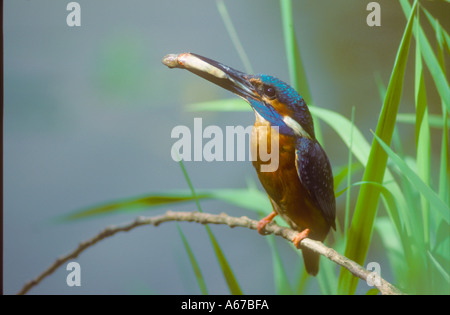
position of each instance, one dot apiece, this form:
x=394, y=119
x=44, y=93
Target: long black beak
x=213, y=71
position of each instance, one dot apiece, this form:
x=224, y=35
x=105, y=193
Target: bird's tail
x=311, y=260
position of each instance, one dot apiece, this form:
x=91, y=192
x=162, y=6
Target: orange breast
x=288, y=196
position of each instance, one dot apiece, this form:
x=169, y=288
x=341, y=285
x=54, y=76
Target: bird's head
x=271, y=99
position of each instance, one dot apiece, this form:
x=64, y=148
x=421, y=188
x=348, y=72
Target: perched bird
x=301, y=188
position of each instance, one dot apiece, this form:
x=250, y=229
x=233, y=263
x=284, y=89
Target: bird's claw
x=264, y=221
x=300, y=237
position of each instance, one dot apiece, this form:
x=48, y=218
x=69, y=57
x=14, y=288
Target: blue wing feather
x=314, y=171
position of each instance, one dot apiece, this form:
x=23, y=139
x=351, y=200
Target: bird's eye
x=269, y=91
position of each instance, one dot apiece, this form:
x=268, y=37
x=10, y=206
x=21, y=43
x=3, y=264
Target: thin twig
x=206, y=218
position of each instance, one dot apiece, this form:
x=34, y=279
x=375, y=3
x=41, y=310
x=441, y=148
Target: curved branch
x=206, y=218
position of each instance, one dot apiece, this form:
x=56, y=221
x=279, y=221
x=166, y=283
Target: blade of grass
x=349, y=179
x=442, y=243
x=372, y=292
x=389, y=197
x=419, y=88
x=297, y=73
x=280, y=278
x=224, y=105
x=360, y=147
x=410, y=248
x=431, y=61
x=444, y=170
x=249, y=198
x=442, y=37
x=239, y=105
x=194, y=264
x=361, y=150
x=441, y=269
x=367, y=203
x=413, y=213
x=441, y=254
x=434, y=121
x=341, y=173
x=233, y=35
x=380, y=86
x=423, y=137
x=327, y=278
x=438, y=206
x=132, y=204
x=390, y=239
x=227, y=272
x=281, y=282
x=343, y=126
x=414, y=245
x=443, y=41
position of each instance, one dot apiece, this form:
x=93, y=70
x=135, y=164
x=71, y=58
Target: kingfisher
x=301, y=188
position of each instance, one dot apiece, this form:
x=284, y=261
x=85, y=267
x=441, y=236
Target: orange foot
x=264, y=221
x=300, y=237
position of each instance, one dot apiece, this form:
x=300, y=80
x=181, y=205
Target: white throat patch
x=296, y=127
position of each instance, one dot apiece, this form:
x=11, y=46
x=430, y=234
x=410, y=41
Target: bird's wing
x=314, y=171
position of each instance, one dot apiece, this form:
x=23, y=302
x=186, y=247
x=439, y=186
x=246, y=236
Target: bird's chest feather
x=290, y=198
x=269, y=146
